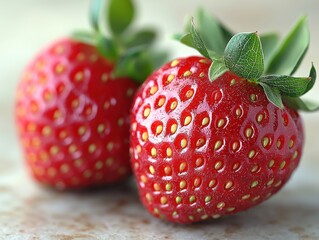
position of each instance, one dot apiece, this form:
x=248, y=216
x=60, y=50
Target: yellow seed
x=182, y=184
x=271, y=163
x=235, y=146
x=92, y=148
x=161, y=102
x=278, y=144
x=57, y=114
x=198, y=162
x=182, y=166
x=167, y=170
x=204, y=61
x=46, y=131
x=232, y=82
x=218, y=165
x=220, y=123
x=143, y=178
x=174, y=214
x=259, y=117
x=157, y=187
x=187, y=73
x=149, y=197
x=192, y=199
x=255, y=198
x=197, y=182
x=265, y=141
x=104, y=77
x=278, y=183
x=109, y=161
x=59, y=68
x=248, y=132
x=215, y=216
x=189, y=93
x=291, y=143
x=120, y=122
x=270, y=182
x=100, y=128
x=253, y=97
x=295, y=155
x=152, y=169
x=221, y=205
x=282, y=165
x=170, y=78
x=144, y=136
x=173, y=128
x=218, y=144
x=169, y=152
x=183, y=143
x=98, y=165
x=168, y=187
x=163, y=200
x=204, y=217
x=48, y=96
x=228, y=185
x=212, y=183
x=110, y=146
x=159, y=129
x=245, y=196
x=54, y=150
x=173, y=105
x=200, y=142
x=236, y=166
x=201, y=74
x=79, y=76
x=205, y=121
x=153, y=152
x=251, y=153
x=147, y=112
x=230, y=209
x=208, y=198
x=72, y=148
x=81, y=130
x=254, y=168
x=174, y=63
x=153, y=90
x=238, y=112
x=254, y=184
x=178, y=200
x=78, y=162
x=64, y=168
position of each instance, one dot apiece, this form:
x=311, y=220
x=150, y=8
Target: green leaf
x=106, y=47
x=287, y=85
x=244, y=56
x=198, y=41
x=216, y=69
x=290, y=53
x=211, y=31
x=269, y=42
x=313, y=76
x=95, y=10
x=142, y=37
x=273, y=95
x=85, y=37
x=120, y=15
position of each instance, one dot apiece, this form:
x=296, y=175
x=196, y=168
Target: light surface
x=28, y=211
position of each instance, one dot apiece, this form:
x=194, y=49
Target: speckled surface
x=30, y=211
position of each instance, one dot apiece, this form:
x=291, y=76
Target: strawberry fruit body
x=207, y=148
x=73, y=103
x=212, y=136
x=73, y=117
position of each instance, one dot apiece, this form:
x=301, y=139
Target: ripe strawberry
x=209, y=139
x=73, y=105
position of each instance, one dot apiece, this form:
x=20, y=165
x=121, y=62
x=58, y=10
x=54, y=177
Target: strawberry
x=212, y=136
x=73, y=104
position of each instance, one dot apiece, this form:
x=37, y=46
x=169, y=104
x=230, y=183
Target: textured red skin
x=218, y=100
x=47, y=86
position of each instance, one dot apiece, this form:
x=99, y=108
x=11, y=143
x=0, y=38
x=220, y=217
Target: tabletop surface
x=30, y=211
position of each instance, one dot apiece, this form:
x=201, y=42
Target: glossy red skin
x=64, y=72
x=236, y=169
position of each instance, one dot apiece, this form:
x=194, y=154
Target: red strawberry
x=205, y=139
x=73, y=106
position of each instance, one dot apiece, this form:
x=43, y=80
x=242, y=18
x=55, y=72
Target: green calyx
x=257, y=58
x=129, y=49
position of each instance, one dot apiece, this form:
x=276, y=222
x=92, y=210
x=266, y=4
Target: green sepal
x=198, y=41
x=287, y=85
x=268, y=42
x=291, y=51
x=300, y=104
x=106, y=47
x=244, y=56
x=216, y=69
x=142, y=37
x=85, y=37
x=94, y=14
x=313, y=76
x=120, y=15
x=273, y=95
x=211, y=32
